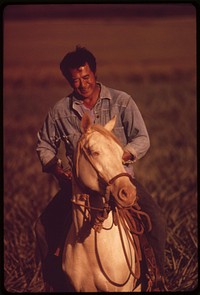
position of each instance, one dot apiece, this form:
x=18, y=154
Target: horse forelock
x=106, y=133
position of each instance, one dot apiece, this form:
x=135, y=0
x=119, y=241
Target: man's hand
x=62, y=176
x=68, y=174
x=127, y=158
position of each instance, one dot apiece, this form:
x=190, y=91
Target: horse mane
x=106, y=133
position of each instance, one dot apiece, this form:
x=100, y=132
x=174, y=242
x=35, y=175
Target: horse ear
x=110, y=125
x=86, y=123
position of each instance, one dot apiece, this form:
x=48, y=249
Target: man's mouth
x=84, y=90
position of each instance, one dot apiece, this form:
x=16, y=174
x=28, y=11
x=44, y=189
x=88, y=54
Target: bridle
x=102, y=213
x=108, y=183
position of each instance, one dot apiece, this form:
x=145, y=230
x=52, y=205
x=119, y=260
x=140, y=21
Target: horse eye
x=92, y=152
x=95, y=154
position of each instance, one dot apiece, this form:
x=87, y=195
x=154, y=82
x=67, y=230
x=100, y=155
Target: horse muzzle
x=123, y=190
x=125, y=196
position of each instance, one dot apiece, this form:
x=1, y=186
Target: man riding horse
x=63, y=124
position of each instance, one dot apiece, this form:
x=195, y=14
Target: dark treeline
x=30, y=11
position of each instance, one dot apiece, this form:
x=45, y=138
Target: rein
x=99, y=219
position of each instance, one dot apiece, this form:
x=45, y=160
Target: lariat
x=132, y=221
x=137, y=222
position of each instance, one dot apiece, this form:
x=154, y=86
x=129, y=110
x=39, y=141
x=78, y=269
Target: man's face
x=83, y=81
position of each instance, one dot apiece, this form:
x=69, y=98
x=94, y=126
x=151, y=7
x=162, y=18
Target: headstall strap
x=112, y=180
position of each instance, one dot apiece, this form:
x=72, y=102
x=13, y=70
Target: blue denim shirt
x=63, y=123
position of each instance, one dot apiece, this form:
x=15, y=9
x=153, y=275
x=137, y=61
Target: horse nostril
x=126, y=197
x=123, y=194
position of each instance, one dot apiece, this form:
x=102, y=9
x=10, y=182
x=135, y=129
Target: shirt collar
x=104, y=94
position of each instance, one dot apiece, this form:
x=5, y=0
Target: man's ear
x=110, y=125
x=86, y=123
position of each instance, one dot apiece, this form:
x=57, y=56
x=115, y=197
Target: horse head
x=98, y=163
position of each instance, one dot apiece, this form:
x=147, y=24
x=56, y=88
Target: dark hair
x=76, y=59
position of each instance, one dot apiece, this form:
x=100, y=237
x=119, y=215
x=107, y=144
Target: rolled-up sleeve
x=48, y=143
x=135, y=129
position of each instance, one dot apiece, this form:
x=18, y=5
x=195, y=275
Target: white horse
x=99, y=253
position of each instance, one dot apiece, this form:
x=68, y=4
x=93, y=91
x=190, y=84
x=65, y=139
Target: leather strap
x=112, y=180
x=153, y=276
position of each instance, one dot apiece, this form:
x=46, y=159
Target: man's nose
x=82, y=83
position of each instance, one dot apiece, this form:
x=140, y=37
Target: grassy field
x=154, y=61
